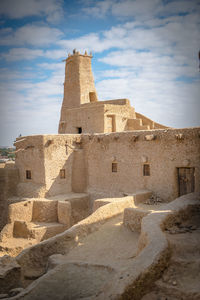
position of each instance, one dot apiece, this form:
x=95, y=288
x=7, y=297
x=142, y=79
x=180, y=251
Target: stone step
x=37, y=230
x=137, y=124
x=43, y=231
x=80, y=205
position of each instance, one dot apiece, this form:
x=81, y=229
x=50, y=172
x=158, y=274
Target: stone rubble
x=154, y=200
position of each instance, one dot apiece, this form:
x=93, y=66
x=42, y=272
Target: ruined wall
x=30, y=157
x=147, y=121
x=95, y=117
x=163, y=150
x=59, y=156
x=9, y=178
x=87, y=162
x=53, y=165
x=120, y=113
x=90, y=119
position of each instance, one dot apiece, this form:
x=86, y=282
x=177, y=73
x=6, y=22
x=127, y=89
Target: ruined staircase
x=34, y=220
x=137, y=124
x=141, y=122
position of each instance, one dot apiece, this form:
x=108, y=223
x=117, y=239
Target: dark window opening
x=28, y=174
x=62, y=173
x=146, y=170
x=114, y=167
x=79, y=130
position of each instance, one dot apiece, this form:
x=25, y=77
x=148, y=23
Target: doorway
x=111, y=123
x=186, y=181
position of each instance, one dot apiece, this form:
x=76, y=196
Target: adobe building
x=80, y=224
x=105, y=147
x=82, y=112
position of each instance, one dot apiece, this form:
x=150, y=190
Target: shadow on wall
x=72, y=175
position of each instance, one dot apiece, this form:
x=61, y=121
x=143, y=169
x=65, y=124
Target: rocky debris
x=150, y=137
x=10, y=272
x=169, y=276
x=180, y=228
x=15, y=291
x=154, y=200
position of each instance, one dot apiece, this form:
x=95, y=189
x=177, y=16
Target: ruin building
x=82, y=112
x=90, y=204
x=105, y=147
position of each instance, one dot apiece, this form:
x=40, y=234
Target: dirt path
x=112, y=245
x=89, y=268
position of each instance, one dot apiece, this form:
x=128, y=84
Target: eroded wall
x=52, y=160
x=163, y=150
x=30, y=157
x=90, y=119
x=87, y=161
x=120, y=113
x=59, y=156
x=95, y=117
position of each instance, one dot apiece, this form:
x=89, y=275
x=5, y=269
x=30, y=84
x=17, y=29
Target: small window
x=146, y=170
x=79, y=130
x=62, y=173
x=28, y=174
x=114, y=167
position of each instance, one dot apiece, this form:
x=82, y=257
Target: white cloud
x=142, y=10
x=29, y=107
x=56, y=54
x=171, y=103
x=86, y=42
x=51, y=9
x=30, y=34
x=99, y=9
x=15, y=54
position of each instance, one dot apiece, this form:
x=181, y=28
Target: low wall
x=153, y=251
x=151, y=259
x=36, y=257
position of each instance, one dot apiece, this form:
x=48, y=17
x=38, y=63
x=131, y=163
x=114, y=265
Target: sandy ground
x=90, y=267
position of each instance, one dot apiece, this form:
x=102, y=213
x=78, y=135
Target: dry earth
x=89, y=267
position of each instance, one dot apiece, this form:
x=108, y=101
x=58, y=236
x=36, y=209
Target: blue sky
x=144, y=50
